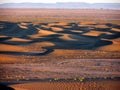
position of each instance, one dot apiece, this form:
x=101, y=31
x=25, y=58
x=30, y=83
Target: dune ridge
x=85, y=36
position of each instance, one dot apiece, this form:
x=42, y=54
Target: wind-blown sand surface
x=60, y=46
x=93, y=85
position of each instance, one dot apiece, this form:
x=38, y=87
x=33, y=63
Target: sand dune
x=56, y=29
x=18, y=40
x=47, y=27
x=11, y=48
x=77, y=31
x=75, y=39
x=3, y=37
x=46, y=33
x=58, y=24
x=24, y=25
x=62, y=35
x=82, y=36
x=113, y=47
x=42, y=33
x=67, y=37
x=63, y=23
x=115, y=29
x=88, y=23
x=95, y=85
x=95, y=33
x=53, y=47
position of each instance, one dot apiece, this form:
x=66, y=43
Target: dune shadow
x=4, y=87
x=12, y=29
x=72, y=45
x=113, y=25
x=27, y=53
x=70, y=36
x=4, y=38
x=113, y=36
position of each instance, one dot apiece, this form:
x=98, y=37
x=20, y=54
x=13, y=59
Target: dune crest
x=61, y=35
x=46, y=33
x=67, y=37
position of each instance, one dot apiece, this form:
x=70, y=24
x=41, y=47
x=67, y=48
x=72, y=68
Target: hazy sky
x=54, y=1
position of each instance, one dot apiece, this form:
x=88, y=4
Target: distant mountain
x=61, y=5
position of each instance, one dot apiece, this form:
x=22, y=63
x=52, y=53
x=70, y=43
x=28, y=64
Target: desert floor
x=60, y=49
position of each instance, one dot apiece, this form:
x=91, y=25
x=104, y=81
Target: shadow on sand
x=71, y=36
x=4, y=87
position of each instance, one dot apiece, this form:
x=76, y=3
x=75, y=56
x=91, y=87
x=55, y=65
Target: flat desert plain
x=59, y=49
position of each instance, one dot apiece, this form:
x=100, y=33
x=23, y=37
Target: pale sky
x=54, y=1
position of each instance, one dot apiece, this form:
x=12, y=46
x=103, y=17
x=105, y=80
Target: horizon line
x=59, y=2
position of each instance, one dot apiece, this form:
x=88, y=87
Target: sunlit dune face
x=67, y=37
x=96, y=33
x=63, y=23
x=3, y=36
x=11, y=48
x=77, y=31
x=88, y=23
x=115, y=29
x=41, y=33
x=36, y=36
x=67, y=27
x=19, y=40
x=46, y=33
x=51, y=24
x=113, y=47
x=56, y=29
x=101, y=26
x=45, y=27
x=14, y=48
x=58, y=24
x=46, y=44
x=23, y=26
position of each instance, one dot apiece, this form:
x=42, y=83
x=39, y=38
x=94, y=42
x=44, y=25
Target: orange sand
x=93, y=85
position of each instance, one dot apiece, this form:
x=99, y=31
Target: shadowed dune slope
x=63, y=35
